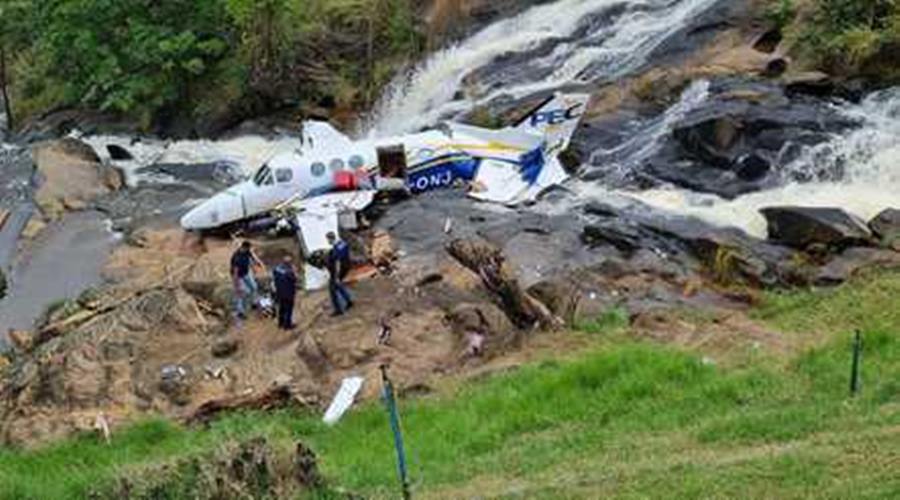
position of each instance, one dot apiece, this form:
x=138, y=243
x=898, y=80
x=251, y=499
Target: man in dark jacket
x=338, y=266
x=245, y=288
x=284, y=276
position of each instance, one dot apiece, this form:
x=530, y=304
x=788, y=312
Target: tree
x=129, y=55
x=14, y=34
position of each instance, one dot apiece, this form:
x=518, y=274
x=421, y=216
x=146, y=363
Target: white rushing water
x=244, y=154
x=595, y=40
x=868, y=157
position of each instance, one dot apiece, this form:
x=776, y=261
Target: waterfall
x=857, y=170
x=556, y=44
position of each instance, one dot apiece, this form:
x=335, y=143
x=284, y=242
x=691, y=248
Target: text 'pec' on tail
x=556, y=119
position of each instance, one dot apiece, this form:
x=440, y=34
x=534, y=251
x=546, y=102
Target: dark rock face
x=849, y=263
x=117, y=152
x=800, y=227
x=726, y=137
x=734, y=143
x=886, y=226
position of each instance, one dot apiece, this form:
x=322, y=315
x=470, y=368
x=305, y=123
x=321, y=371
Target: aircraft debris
x=343, y=399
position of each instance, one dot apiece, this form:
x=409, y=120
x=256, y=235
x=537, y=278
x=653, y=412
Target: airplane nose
x=194, y=218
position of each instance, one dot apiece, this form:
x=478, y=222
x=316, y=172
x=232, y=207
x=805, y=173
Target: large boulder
x=886, y=226
x=729, y=137
x=801, y=227
x=72, y=176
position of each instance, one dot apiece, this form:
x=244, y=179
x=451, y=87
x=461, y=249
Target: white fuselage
x=433, y=159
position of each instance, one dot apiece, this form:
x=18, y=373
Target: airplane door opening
x=392, y=161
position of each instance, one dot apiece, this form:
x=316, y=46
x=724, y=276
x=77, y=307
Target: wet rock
x=225, y=348
x=118, y=153
x=735, y=142
x=814, y=83
x=885, y=225
x=851, y=262
x=614, y=232
x=752, y=167
x=775, y=68
x=59, y=123
x=768, y=41
x=800, y=227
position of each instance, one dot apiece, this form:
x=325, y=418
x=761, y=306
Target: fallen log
x=277, y=397
x=488, y=262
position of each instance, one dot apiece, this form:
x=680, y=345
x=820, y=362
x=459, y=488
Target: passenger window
x=356, y=162
x=336, y=164
x=263, y=176
x=317, y=169
x=284, y=175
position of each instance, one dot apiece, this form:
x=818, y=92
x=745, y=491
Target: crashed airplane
x=334, y=175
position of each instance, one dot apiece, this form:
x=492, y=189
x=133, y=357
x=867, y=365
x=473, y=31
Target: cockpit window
x=283, y=175
x=356, y=162
x=263, y=176
x=317, y=169
x=336, y=164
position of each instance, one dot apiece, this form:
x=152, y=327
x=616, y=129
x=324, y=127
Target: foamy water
x=601, y=51
x=246, y=153
x=868, y=159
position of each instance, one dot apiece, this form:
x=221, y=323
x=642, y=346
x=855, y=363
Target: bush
x=849, y=37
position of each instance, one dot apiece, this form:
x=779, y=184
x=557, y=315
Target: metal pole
x=854, y=370
x=394, y=416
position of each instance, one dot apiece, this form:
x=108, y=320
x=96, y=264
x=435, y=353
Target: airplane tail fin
x=556, y=118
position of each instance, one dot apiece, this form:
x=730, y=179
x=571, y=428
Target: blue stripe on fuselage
x=441, y=173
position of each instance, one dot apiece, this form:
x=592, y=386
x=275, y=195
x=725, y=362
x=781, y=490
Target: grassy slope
x=626, y=419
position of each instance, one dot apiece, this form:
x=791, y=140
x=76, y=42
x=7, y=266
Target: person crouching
x=284, y=276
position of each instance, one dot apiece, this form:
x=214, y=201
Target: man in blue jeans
x=245, y=289
x=338, y=266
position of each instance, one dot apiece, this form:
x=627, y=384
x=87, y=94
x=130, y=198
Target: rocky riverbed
x=699, y=179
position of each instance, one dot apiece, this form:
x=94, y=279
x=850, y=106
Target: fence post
x=854, y=369
x=394, y=416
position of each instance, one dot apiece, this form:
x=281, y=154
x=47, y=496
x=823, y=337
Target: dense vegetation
x=847, y=38
x=164, y=60
x=625, y=418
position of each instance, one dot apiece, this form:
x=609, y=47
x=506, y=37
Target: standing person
x=245, y=289
x=285, y=278
x=338, y=266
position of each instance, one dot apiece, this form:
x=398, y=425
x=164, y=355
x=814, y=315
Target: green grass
x=625, y=419
x=870, y=302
